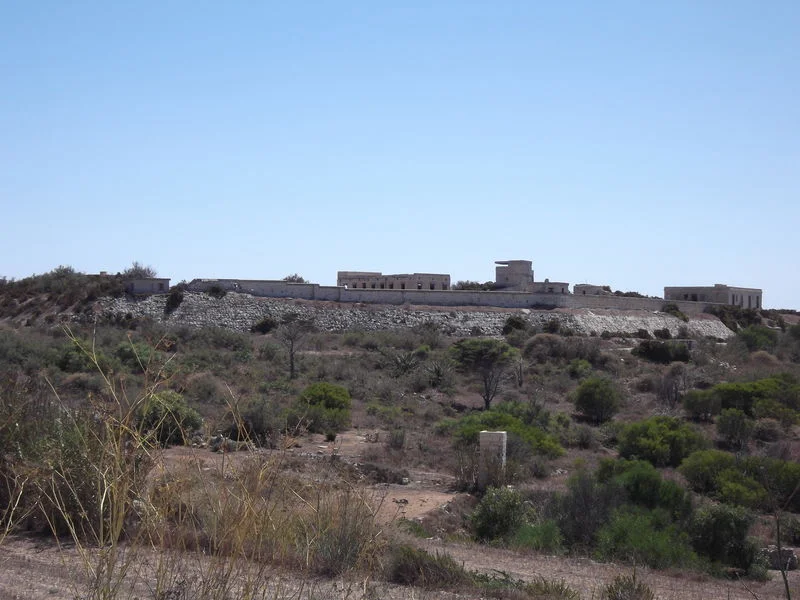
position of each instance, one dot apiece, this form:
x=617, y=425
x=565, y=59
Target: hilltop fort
x=514, y=287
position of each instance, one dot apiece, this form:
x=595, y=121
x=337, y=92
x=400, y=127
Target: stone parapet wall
x=501, y=299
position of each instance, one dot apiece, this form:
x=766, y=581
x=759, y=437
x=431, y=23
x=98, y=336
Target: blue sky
x=633, y=144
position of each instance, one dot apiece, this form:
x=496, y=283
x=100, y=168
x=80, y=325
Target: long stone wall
x=312, y=291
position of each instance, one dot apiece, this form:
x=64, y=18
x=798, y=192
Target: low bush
x=544, y=536
x=639, y=536
x=321, y=408
x=660, y=440
x=265, y=325
x=466, y=431
x=627, y=587
x=597, y=399
x=168, y=418
x=701, y=405
x=413, y=567
x=499, y=514
x=719, y=532
x=644, y=486
x=662, y=352
x=758, y=337
x=672, y=309
x=701, y=469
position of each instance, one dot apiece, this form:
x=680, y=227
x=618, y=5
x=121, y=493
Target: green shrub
x=734, y=487
x=662, y=352
x=413, y=567
x=597, y=399
x=701, y=405
x=719, y=532
x=638, y=536
x=663, y=441
x=644, y=486
x=499, y=514
x=541, y=537
x=702, y=468
x=466, y=431
x=735, y=428
x=168, y=418
x=758, y=337
x=579, y=368
x=137, y=356
x=322, y=407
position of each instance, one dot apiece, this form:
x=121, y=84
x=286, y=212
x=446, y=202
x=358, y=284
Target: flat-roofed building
x=719, y=293
x=404, y=281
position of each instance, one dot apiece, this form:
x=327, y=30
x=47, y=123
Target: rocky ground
x=241, y=311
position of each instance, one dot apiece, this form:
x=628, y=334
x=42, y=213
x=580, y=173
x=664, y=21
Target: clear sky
x=634, y=144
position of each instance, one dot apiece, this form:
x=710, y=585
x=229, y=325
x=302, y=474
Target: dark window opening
x=373, y=286
x=419, y=286
x=402, y=286
x=433, y=286
x=381, y=286
x=391, y=286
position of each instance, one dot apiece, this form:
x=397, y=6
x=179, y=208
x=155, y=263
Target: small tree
x=597, y=399
x=735, y=428
x=488, y=359
x=291, y=333
x=139, y=271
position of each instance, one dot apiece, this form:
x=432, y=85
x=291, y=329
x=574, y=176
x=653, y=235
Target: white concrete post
x=491, y=457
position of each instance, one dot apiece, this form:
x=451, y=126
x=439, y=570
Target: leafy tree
x=597, y=399
x=702, y=468
x=488, y=359
x=139, y=271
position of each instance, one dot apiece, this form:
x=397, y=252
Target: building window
x=433, y=286
x=373, y=286
x=402, y=286
x=391, y=286
x=419, y=286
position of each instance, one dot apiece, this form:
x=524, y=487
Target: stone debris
x=241, y=311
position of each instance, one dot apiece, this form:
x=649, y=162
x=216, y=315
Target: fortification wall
x=500, y=299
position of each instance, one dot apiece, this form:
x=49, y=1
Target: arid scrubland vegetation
x=177, y=463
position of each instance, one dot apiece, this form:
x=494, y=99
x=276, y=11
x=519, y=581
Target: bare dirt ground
x=37, y=569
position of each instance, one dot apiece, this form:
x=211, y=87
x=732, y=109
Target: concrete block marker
x=491, y=458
